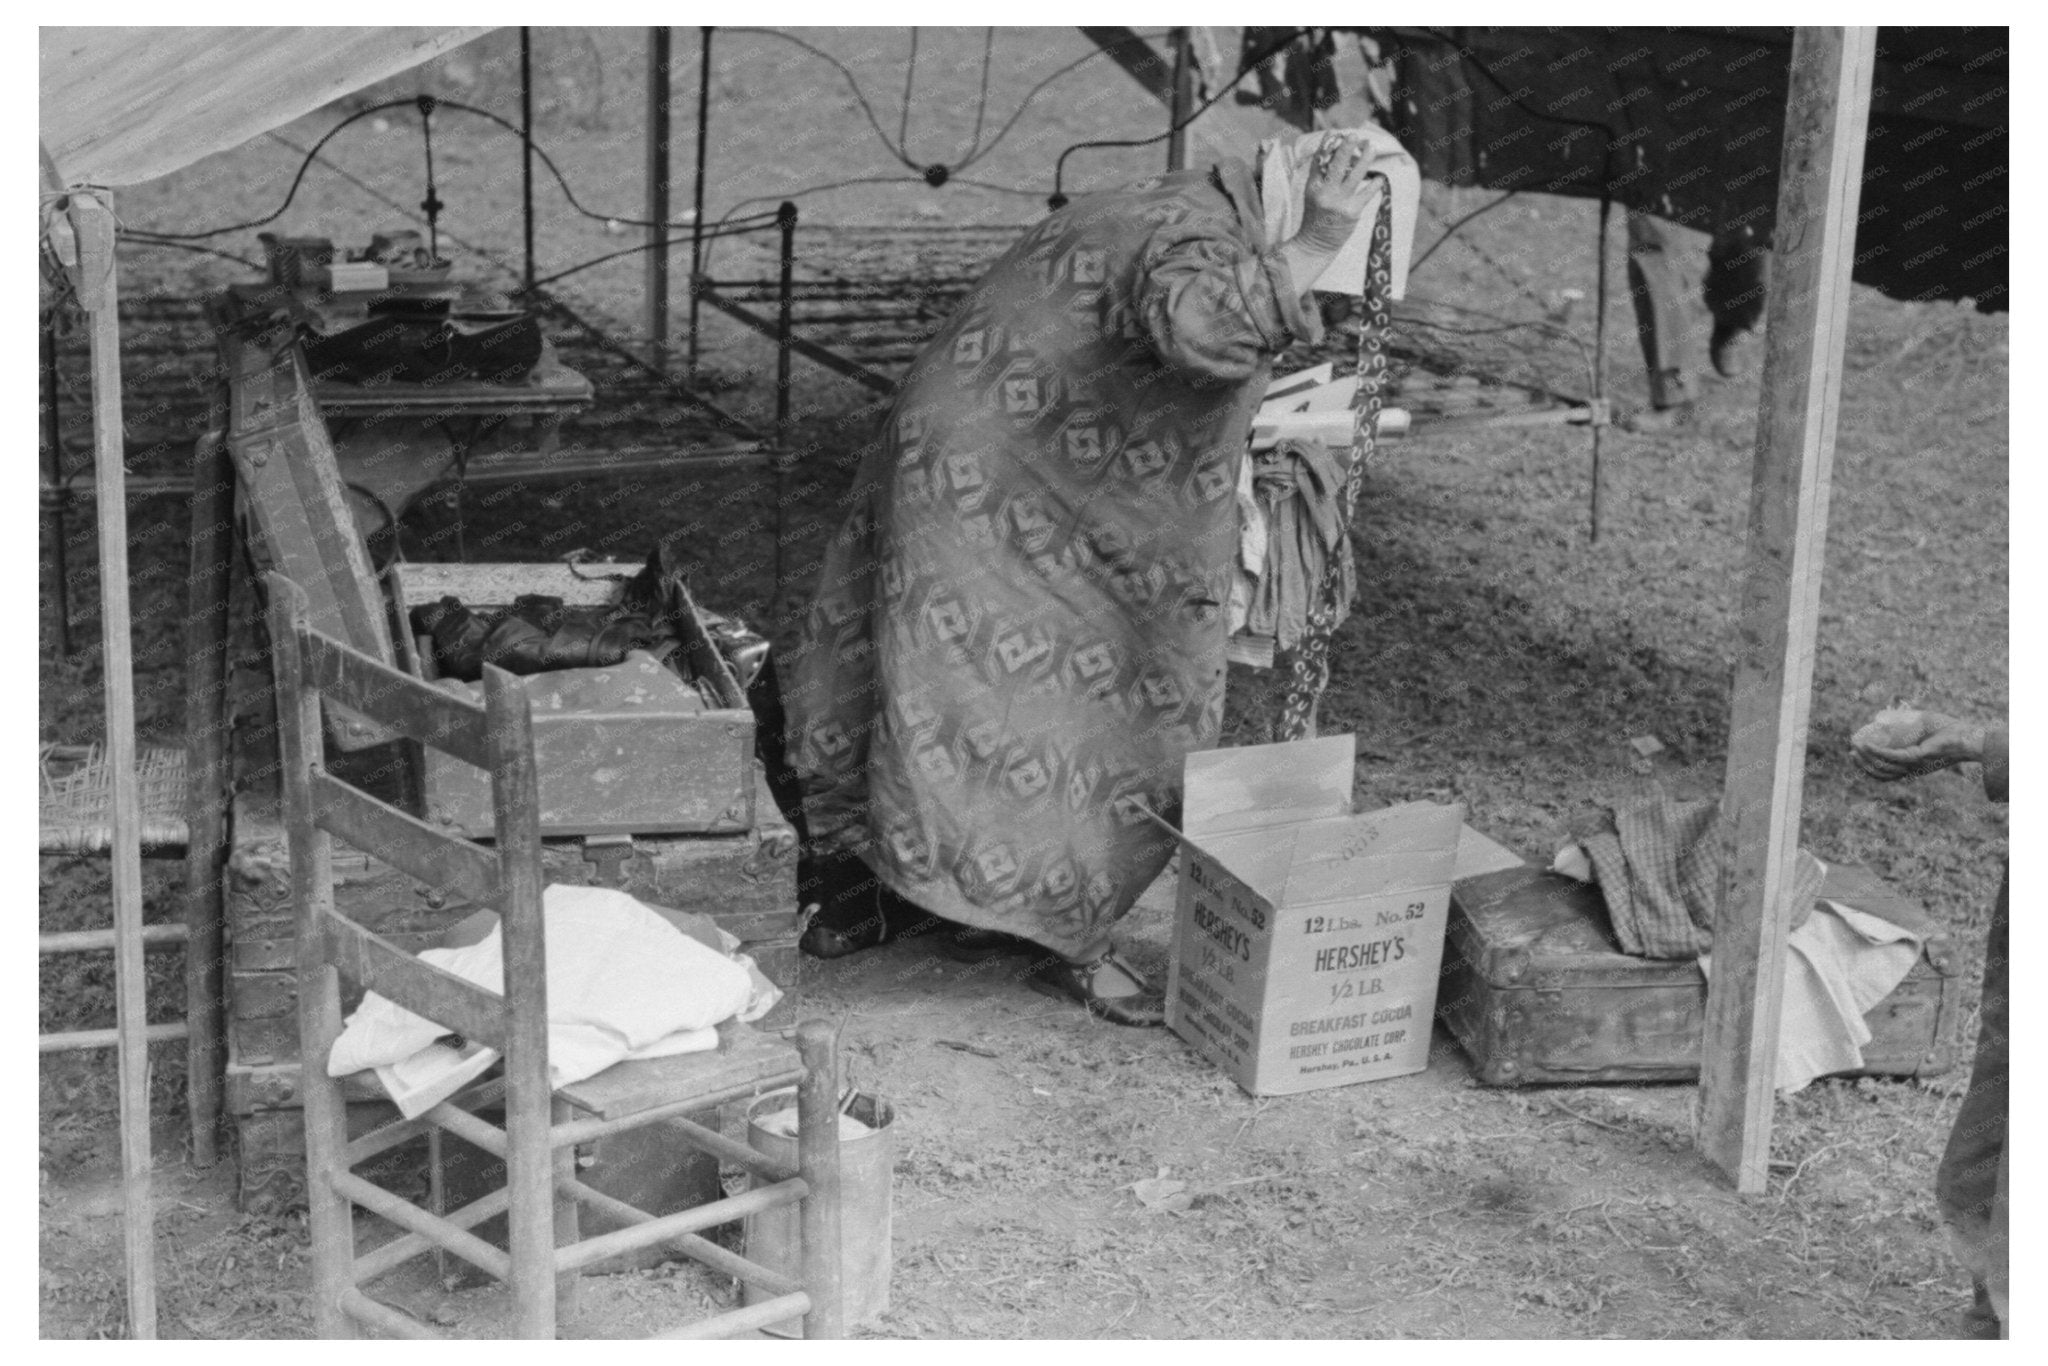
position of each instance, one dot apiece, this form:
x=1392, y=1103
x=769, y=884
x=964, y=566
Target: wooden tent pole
x=658, y=45
x=1826, y=113
x=92, y=221
x=1181, y=101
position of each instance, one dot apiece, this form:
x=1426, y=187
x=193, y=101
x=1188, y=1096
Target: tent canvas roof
x=123, y=105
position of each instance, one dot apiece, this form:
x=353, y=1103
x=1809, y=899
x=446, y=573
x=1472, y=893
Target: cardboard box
x=1306, y=937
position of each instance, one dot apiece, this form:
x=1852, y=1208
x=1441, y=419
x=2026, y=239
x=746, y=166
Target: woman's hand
x=1336, y=194
x=1333, y=200
x=1905, y=744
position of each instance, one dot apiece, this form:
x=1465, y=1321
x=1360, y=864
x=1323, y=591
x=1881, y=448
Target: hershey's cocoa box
x=1307, y=936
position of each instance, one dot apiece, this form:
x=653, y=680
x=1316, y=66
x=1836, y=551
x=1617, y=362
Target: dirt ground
x=1496, y=658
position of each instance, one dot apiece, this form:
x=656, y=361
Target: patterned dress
x=1018, y=632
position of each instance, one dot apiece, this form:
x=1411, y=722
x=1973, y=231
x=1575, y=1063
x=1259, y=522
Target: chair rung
x=407, y=1246
x=389, y=1136
x=87, y=941
x=585, y=1130
x=733, y=1207
x=467, y=1127
x=106, y=1038
x=689, y=1244
x=413, y=1219
x=739, y=1154
x=373, y=1314
x=754, y=1316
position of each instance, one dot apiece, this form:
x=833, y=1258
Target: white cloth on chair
x=623, y=984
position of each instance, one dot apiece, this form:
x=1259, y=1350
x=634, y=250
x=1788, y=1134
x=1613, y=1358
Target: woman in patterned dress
x=1018, y=632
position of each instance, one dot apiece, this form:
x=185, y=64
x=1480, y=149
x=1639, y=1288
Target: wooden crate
x=674, y=765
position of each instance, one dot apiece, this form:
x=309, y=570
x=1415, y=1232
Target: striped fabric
x=1658, y=864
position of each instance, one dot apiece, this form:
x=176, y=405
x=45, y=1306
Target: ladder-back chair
x=542, y=1125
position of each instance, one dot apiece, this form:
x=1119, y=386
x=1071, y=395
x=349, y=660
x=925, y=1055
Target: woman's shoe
x=843, y=909
x=829, y=941
x=1095, y=984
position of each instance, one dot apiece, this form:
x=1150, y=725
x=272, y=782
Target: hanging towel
x=1297, y=487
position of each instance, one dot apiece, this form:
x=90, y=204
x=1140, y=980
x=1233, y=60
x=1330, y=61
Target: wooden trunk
x=1535, y=989
x=675, y=765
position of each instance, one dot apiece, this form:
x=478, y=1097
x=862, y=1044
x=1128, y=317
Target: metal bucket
x=866, y=1164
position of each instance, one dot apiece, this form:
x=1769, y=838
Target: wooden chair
x=542, y=1126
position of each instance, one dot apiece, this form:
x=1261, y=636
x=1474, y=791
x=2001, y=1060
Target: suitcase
x=1535, y=989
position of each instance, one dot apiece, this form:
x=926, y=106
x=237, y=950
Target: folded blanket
x=623, y=984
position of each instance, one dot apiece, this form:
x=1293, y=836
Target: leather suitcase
x=1535, y=989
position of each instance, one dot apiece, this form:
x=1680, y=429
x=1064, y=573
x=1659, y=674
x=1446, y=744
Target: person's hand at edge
x=1907, y=744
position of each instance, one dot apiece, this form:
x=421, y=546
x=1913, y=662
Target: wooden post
x=1599, y=366
x=1182, y=102
x=697, y=198
x=91, y=214
x=529, y=1155
x=53, y=445
x=823, y=1263
x=526, y=146
x=211, y=537
x=657, y=194
x=1827, y=110
x=329, y=1217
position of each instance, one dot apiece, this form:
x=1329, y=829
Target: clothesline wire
x=852, y=84
x=899, y=148
x=1249, y=65
x=909, y=80
x=665, y=244
x=424, y=103
x=988, y=52
x=1462, y=220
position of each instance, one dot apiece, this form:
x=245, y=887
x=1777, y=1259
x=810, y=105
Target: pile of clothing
x=1658, y=864
x=1290, y=509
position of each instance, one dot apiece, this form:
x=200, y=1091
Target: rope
x=1308, y=672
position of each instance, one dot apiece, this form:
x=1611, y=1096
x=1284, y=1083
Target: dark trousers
x=1970, y=1185
x=1657, y=291
x=1737, y=271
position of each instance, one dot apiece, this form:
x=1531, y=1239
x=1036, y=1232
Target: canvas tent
x=119, y=106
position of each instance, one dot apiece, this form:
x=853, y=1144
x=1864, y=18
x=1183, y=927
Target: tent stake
x=1820, y=175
